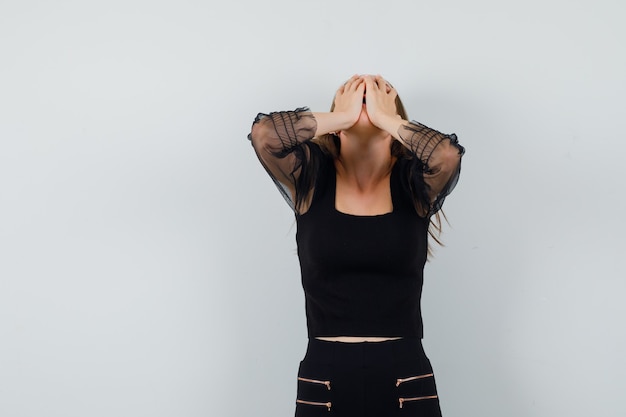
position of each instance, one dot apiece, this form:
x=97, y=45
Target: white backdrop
x=147, y=263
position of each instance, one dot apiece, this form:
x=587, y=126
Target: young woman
x=366, y=186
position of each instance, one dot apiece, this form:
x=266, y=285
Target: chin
x=364, y=126
x=364, y=119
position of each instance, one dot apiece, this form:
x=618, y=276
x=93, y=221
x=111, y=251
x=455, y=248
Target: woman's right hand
x=349, y=99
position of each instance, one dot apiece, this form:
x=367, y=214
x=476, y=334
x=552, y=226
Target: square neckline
x=363, y=216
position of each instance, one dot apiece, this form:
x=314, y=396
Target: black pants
x=368, y=379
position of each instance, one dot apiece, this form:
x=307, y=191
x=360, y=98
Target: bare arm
x=439, y=153
x=348, y=104
x=278, y=137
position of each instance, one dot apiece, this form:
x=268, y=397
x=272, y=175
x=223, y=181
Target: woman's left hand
x=380, y=101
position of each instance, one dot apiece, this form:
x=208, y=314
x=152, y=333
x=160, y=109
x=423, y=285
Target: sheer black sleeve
x=437, y=164
x=281, y=141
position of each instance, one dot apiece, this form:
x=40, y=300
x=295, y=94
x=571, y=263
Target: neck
x=365, y=155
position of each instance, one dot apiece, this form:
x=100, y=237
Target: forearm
x=439, y=153
x=332, y=122
x=391, y=124
x=278, y=133
x=427, y=143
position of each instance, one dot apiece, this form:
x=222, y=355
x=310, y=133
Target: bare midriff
x=356, y=339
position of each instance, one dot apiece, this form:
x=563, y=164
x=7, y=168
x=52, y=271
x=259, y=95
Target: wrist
x=344, y=120
x=332, y=122
x=391, y=124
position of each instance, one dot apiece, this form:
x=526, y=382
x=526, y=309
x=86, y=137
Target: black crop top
x=362, y=275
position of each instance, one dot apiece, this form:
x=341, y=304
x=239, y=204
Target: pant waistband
x=363, y=353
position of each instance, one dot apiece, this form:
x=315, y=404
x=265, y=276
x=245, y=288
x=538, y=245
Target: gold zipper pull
x=402, y=380
x=315, y=403
x=315, y=381
x=427, y=397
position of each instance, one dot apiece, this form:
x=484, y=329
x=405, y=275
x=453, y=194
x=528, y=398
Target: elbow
x=450, y=155
x=260, y=135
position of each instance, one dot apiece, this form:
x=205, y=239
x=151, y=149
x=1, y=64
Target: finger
x=381, y=83
x=376, y=84
x=389, y=86
x=393, y=92
x=384, y=85
x=369, y=82
x=352, y=79
x=359, y=84
x=360, y=87
x=355, y=83
x=344, y=86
